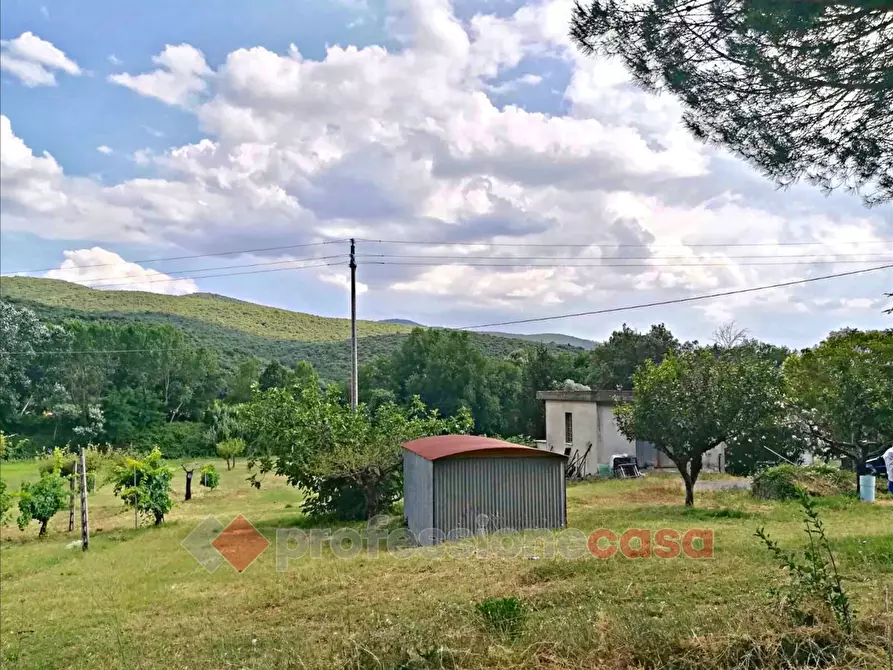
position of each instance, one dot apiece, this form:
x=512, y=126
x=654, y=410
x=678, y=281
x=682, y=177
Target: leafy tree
x=145, y=485
x=542, y=368
x=275, y=375
x=22, y=363
x=800, y=88
x=839, y=393
x=315, y=440
x=230, y=449
x=39, y=501
x=695, y=401
x=613, y=363
x=241, y=382
x=224, y=422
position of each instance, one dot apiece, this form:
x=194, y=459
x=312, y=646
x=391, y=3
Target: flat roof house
x=458, y=485
x=580, y=425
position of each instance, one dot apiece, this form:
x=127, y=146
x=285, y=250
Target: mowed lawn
x=137, y=599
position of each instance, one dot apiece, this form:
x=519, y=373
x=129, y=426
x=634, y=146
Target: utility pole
x=353, y=327
x=85, y=529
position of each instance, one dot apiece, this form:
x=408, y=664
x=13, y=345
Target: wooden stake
x=85, y=528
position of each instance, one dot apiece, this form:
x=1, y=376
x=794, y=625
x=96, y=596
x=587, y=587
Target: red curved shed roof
x=472, y=446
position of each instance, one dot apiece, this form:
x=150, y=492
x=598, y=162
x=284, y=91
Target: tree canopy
x=695, y=401
x=803, y=89
x=314, y=439
x=840, y=393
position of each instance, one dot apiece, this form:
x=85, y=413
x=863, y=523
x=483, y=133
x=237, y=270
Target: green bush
x=145, y=485
x=503, y=615
x=788, y=482
x=209, y=477
x=40, y=500
x=6, y=502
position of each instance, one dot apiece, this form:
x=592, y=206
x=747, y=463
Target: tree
x=613, y=363
x=800, y=88
x=24, y=339
x=230, y=449
x=697, y=400
x=242, y=380
x=319, y=444
x=839, y=393
x=145, y=485
x=275, y=375
x=39, y=501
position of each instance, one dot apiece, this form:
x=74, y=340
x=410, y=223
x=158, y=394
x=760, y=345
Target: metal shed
x=456, y=485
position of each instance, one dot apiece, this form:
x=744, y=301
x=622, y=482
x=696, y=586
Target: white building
x=580, y=425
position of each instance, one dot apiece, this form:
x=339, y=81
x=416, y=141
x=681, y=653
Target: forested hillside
x=235, y=329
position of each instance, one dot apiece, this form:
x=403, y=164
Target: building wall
x=418, y=492
x=593, y=422
x=585, y=419
x=474, y=495
x=610, y=440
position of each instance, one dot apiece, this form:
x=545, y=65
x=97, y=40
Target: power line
x=225, y=274
x=613, y=244
x=618, y=265
x=815, y=256
x=183, y=258
x=225, y=267
x=676, y=301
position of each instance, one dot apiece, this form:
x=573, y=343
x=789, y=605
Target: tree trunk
x=159, y=517
x=690, y=471
x=189, y=485
x=43, y=527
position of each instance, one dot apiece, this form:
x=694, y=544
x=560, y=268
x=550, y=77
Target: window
x=568, y=428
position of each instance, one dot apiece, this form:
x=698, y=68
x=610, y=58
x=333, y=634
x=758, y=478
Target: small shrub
x=40, y=500
x=145, y=485
x=209, y=477
x=6, y=503
x=504, y=616
x=788, y=482
x=815, y=576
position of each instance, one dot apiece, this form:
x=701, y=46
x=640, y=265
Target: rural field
x=137, y=598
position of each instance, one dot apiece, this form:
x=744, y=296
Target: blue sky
x=135, y=131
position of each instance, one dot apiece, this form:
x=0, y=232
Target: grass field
x=137, y=599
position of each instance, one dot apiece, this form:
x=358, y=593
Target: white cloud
x=179, y=79
x=81, y=266
x=103, y=149
x=114, y=60
x=342, y=281
x=34, y=61
x=407, y=144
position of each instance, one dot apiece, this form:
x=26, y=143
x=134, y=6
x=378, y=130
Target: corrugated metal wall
x=495, y=493
x=418, y=492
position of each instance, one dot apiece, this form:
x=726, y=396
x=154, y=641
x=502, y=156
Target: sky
x=489, y=171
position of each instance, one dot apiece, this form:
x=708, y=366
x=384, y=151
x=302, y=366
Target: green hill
x=551, y=338
x=236, y=329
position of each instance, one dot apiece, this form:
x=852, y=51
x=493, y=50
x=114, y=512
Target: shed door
x=487, y=494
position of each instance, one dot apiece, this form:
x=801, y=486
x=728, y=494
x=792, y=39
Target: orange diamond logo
x=240, y=543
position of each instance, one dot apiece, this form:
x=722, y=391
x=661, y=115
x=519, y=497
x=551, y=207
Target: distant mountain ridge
x=236, y=329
